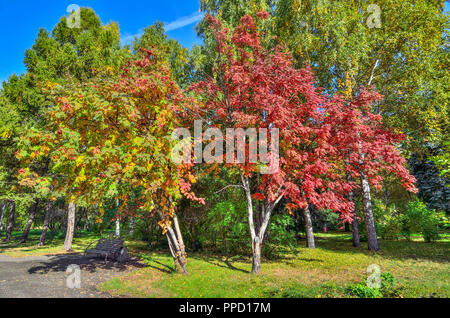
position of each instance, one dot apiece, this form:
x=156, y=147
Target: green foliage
x=388, y=222
x=419, y=219
x=281, y=236
x=434, y=187
x=171, y=50
x=363, y=291
x=388, y=288
x=228, y=221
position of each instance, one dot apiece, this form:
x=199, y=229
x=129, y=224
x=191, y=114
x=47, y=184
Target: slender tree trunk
x=131, y=229
x=309, y=228
x=355, y=225
x=117, y=227
x=2, y=210
x=355, y=231
x=117, y=219
x=48, y=212
x=258, y=233
x=256, y=241
x=11, y=222
x=325, y=227
x=70, y=227
x=178, y=256
x=372, y=239
x=30, y=221
x=256, y=260
x=178, y=253
x=179, y=235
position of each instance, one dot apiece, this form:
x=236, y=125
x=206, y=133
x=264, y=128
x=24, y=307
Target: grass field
x=333, y=269
x=420, y=270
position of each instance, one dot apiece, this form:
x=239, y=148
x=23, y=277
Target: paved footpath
x=46, y=277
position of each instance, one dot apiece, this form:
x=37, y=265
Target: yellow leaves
x=290, y=211
x=150, y=166
x=109, y=70
x=81, y=178
x=192, y=179
x=102, y=212
x=79, y=161
x=7, y=133
x=50, y=85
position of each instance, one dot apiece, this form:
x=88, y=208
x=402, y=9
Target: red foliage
x=320, y=136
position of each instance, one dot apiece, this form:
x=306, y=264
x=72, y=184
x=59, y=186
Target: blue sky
x=20, y=22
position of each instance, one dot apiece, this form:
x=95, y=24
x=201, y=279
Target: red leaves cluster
x=321, y=138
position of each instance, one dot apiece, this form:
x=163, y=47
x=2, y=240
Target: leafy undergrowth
x=334, y=269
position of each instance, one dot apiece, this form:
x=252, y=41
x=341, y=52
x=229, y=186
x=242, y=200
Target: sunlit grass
x=53, y=244
x=421, y=270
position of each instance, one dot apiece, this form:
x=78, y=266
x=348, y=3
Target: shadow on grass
x=435, y=251
x=60, y=263
x=222, y=261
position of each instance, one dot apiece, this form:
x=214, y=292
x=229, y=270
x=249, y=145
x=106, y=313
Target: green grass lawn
x=420, y=269
x=53, y=244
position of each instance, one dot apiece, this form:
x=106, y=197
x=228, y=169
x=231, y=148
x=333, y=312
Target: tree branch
x=230, y=186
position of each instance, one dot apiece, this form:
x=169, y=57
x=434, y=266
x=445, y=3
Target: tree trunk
x=178, y=253
x=11, y=222
x=2, y=210
x=117, y=219
x=117, y=227
x=355, y=231
x=355, y=225
x=309, y=228
x=27, y=229
x=256, y=261
x=179, y=235
x=372, y=239
x=48, y=212
x=257, y=233
x=131, y=229
x=70, y=227
x=179, y=256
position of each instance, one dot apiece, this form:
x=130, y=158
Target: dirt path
x=46, y=277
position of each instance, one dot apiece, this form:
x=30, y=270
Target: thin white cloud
x=127, y=39
x=184, y=21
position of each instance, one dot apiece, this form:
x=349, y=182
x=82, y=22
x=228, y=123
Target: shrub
x=281, y=236
x=388, y=288
x=363, y=291
x=419, y=219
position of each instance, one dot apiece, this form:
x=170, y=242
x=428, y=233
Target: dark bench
x=109, y=248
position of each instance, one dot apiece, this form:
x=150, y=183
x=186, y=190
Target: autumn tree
x=75, y=54
x=369, y=151
x=397, y=46
x=115, y=131
x=257, y=88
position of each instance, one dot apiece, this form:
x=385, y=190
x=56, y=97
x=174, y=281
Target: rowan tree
x=115, y=131
x=368, y=150
x=258, y=88
x=55, y=58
